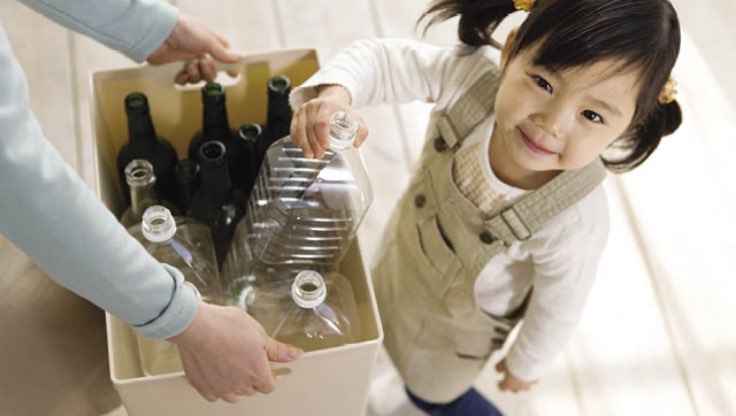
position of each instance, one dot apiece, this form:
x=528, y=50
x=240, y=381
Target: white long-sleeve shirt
x=559, y=261
x=46, y=209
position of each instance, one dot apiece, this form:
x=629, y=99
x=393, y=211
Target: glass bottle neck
x=215, y=121
x=141, y=180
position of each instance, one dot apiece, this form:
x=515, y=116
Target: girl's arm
x=565, y=265
x=377, y=71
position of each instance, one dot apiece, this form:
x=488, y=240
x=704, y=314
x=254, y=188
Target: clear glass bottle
x=141, y=180
x=305, y=212
x=312, y=312
x=187, y=245
x=217, y=203
x=143, y=143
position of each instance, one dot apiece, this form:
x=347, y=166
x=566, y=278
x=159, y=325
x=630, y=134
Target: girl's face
x=553, y=121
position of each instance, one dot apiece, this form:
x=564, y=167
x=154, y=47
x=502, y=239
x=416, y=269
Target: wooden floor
x=659, y=333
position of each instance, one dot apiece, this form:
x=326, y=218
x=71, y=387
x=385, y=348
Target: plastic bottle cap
x=158, y=224
x=308, y=290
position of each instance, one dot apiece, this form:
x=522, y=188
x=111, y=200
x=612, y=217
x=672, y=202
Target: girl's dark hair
x=643, y=34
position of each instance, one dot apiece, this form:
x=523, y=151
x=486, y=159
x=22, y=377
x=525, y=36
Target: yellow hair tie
x=668, y=92
x=525, y=5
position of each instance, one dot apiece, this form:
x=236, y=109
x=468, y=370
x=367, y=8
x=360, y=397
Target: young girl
x=504, y=217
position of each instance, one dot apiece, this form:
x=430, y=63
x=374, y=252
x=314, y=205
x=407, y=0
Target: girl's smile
x=532, y=144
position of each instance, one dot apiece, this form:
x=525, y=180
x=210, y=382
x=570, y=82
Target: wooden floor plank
x=688, y=233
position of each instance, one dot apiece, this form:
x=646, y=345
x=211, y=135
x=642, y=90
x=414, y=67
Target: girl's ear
x=506, y=49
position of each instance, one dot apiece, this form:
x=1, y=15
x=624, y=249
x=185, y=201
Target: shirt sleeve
x=48, y=212
x=135, y=28
x=377, y=71
x=564, y=270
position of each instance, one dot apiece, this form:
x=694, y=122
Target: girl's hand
x=310, y=124
x=510, y=382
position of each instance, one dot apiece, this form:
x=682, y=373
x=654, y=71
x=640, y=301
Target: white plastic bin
x=326, y=382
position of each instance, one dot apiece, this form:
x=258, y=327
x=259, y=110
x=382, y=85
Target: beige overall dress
x=53, y=355
x=435, y=247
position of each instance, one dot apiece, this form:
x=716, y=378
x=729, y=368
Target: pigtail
x=644, y=138
x=478, y=19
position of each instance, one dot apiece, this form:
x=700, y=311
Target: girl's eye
x=592, y=116
x=542, y=83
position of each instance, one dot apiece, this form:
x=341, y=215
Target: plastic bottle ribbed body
x=305, y=212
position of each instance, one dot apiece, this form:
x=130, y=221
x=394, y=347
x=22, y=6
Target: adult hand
x=226, y=353
x=510, y=382
x=191, y=40
x=310, y=124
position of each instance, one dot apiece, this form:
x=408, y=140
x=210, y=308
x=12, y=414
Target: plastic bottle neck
x=158, y=224
x=342, y=131
x=308, y=290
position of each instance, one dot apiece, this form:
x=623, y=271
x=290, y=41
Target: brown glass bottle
x=217, y=203
x=215, y=126
x=143, y=143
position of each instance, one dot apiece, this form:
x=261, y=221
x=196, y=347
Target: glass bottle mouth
x=139, y=172
x=212, y=89
x=342, y=131
x=212, y=152
x=136, y=101
x=250, y=131
x=308, y=290
x=279, y=84
x=158, y=224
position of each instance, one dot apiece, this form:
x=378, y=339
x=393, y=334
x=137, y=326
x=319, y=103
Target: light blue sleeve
x=48, y=212
x=134, y=27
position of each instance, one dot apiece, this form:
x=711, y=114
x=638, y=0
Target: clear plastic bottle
x=312, y=312
x=187, y=245
x=305, y=212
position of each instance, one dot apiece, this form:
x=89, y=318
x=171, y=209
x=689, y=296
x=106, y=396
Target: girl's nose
x=554, y=120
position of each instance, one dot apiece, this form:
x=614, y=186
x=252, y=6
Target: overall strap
x=521, y=220
x=469, y=110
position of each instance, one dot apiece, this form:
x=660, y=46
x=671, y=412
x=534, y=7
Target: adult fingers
x=219, y=48
x=279, y=352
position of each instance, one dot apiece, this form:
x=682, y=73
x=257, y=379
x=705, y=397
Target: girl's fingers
x=362, y=133
x=312, y=138
x=301, y=134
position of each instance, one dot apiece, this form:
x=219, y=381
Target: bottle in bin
x=305, y=212
x=249, y=135
x=187, y=177
x=187, y=245
x=143, y=143
x=311, y=311
x=279, y=110
x=141, y=181
x=217, y=203
x=215, y=126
